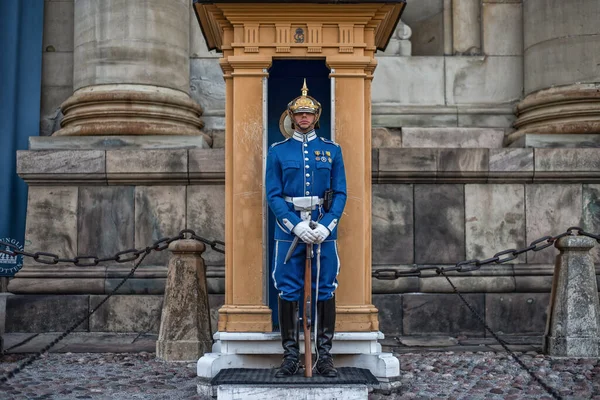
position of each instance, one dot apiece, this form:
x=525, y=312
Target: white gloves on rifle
x=321, y=232
x=305, y=232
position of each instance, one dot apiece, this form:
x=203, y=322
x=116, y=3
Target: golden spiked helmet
x=305, y=103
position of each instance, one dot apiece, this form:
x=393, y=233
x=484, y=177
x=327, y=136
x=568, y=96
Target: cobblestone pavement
x=428, y=375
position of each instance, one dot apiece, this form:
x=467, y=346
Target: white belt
x=307, y=202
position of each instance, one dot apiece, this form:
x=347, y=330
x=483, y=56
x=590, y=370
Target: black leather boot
x=291, y=350
x=325, y=331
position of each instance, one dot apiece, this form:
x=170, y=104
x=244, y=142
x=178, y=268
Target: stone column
x=131, y=70
x=185, y=332
x=245, y=308
x=573, y=328
x=561, y=74
x=466, y=27
x=352, y=80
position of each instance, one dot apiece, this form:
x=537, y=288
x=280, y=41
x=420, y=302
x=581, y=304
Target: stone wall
x=430, y=207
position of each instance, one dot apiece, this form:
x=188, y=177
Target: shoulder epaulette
x=329, y=141
x=277, y=143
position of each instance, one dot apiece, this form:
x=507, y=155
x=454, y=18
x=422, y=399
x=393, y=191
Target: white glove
x=304, y=232
x=321, y=232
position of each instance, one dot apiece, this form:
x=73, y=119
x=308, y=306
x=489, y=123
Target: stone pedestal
x=185, y=332
x=131, y=70
x=263, y=350
x=574, y=324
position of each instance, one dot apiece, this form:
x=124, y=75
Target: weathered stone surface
x=452, y=137
x=435, y=314
x=574, y=327
x=566, y=163
x=207, y=85
x=561, y=45
x=398, y=116
x=533, y=277
x=207, y=165
x=51, y=224
x=502, y=26
x=206, y=216
x=468, y=284
x=198, y=47
x=401, y=285
x=413, y=162
x=39, y=313
x=557, y=140
x=159, y=212
x=500, y=118
x=506, y=164
x=117, y=142
x=3, y=297
x=58, y=26
x=463, y=163
x=154, y=47
x=591, y=214
x=50, y=284
x=59, y=166
x=105, y=220
x=122, y=313
x=517, y=313
x=57, y=69
x=390, y=313
x=384, y=138
x=422, y=82
x=185, y=332
x=136, y=286
x=439, y=224
x=550, y=210
x=494, y=219
x=215, y=302
x=50, y=116
x=428, y=36
x=466, y=27
x=483, y=79
x=392, y=224
x=139, y=166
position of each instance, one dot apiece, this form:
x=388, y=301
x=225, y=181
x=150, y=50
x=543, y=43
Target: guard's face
x=304, y=121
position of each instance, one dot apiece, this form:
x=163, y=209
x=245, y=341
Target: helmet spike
x=304, y=88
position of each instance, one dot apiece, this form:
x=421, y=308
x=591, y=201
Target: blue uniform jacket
x=305, y=165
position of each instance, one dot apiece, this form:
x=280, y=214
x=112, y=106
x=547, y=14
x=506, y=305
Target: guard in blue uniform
x=305, y=177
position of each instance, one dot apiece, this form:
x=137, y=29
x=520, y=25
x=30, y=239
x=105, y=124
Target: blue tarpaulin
x=21, y=27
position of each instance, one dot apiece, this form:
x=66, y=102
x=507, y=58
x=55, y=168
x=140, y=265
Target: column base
x=357, y=318
x=263, y=350
x=245, y=319
x=128, y=109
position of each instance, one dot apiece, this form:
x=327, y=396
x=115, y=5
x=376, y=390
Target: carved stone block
x=392, y=223
x=439, y=224
x=494, y=219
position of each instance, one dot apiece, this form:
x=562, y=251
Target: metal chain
x=475, y=264
x=472, y=265
x=121, y=257
x=504, y=345
x=46, y=348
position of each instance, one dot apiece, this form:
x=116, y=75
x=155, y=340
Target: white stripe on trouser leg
x=316, y=317
x=335, y=285
x=275, y=266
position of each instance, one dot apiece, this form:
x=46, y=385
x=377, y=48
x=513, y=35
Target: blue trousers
x=289, y=277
